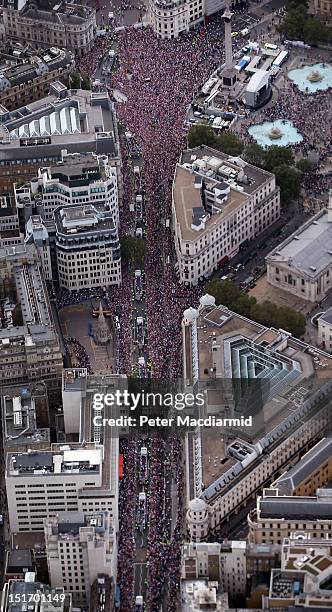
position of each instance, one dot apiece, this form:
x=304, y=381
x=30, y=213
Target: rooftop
x=25, y=416
x=78, y=121
x=66, y=460
x=19, y=592
x=315, y=458
x=260, y=371
x=62, y=13
x=84, y=219
x=308, y=249
x=318, y=507
x=23, y=267
x=29, y=65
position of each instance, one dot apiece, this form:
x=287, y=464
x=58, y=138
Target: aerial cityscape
x=165, y=305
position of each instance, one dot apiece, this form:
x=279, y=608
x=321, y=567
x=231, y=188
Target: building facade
x=65, y=25
x=30, y=350
x=87, y=247
x=302, y=265
x=25, y=78
x=41, y=484
x=323, y=9
x=79, y=547
x=324, y=338
x=169, y=18
x=219, y=346
x=218, y=203
x=36, y=135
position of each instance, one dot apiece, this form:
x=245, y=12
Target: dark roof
x=296, y=508
x=305, y=467
x=18, y=560
x=29, y=460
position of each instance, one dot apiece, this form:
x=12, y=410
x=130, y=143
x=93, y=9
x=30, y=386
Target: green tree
x=278, y=156
x=291, y=320
x=289, y=181
x=304, y=165
x=292, y=26
x=255, y=154
x=86, y=82
x=75, y=80
x=243, y=304
x=229, y=143
x=132, y=249
x=225, y=292
x=313, y=31
x=201, y=135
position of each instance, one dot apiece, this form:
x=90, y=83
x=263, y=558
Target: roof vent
x=313, y=268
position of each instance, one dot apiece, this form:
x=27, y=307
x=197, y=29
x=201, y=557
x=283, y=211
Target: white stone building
x=219, y=348
x=218, y=203
x=169, y=18
x=87, y=247
x=65, y=25
x=302, y=264
x=72, y=478
x=80, y=546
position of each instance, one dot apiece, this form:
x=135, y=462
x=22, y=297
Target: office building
x=30, y=349
x=202, y=595
x=304, y=578
x=23, y=595
x=37, y=234
x=18, y=563
x=218, y=204
x=35, y=136
x=224, y=563
x=72, y=478
x=302, y=264
x=298, y=493
x=25, y=418
x=78, y=179
x=80, y=546
x=26, y=75
x=66, y=25
x=169, y=18
x=87, y=247
x=10, y=232
x=247, y=368
x=277, y=516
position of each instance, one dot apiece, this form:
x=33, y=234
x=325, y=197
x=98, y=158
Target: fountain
x=275, y=133
x=280, y=132
x=310, y=79
x=314, y=77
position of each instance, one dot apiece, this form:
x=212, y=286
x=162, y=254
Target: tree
x=289, y=181
x=292, y=26
x=278, y=156
x=225, y=292
x=201, y=135
x=132, y=249
x=313, y=31
x=291, y=320
x=255, y=154
x=85, y=82
x=304, y=165
x=229, y=143
x=244, y=304
x=75, y=80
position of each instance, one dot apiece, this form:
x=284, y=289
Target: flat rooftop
x=187, y=197
x=261, y=370
x=76, y=120
x=74, y=379
x=285, y=507
x=83, y=219
x=21, y=590
x=63, y=461
x=25, y=416
x=309, y=249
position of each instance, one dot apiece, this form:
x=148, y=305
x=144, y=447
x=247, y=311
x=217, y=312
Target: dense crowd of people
x=159, y=80
x=79, y=356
